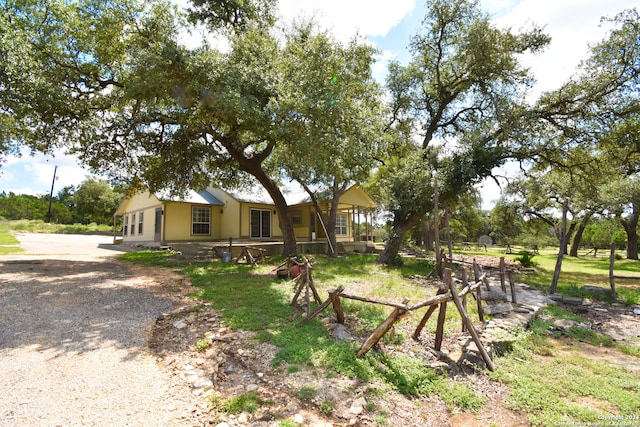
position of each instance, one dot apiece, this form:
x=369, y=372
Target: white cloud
x=379, y=69
x=34, y=174
x=573, y=25
x=346, y=18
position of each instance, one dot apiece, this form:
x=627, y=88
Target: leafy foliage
x=116, y=86
x=526, y=259
x=461, y=85
x=93, y=201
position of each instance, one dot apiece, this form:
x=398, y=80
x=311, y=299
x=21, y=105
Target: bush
x=526, y=259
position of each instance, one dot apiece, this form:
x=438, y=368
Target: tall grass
x=37, y=226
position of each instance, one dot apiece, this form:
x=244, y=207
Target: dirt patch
x=614, y=320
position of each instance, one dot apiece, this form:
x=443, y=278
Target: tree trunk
x=282, y=209
x=631, y=228
x=575, y=244
x=567, y=237
x=556, y=272
x=428, y=235
x=286, y=225
x=253, y=166
x=436, y=223
x=337, y=191
x=398, y=230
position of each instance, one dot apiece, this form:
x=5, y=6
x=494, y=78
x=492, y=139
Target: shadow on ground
x=74, y=306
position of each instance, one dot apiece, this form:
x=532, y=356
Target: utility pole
x=51, y=193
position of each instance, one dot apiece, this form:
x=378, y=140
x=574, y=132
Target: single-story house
x=249, y=218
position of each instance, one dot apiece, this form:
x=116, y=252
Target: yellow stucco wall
x=148, y=219
x=177, y=222
x=301, y=229
x=146, y=204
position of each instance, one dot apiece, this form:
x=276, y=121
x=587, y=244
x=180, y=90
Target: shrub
x=526, y=259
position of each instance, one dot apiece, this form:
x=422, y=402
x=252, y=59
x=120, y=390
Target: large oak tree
x=459, y=96
x=591, y=124
x=112, y=82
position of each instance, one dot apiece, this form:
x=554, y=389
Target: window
x=296, y=216
x=140, y=220
x=133, y=224
x=341, y=225
x=260, y=223
x=200, y=220
x=125, y=229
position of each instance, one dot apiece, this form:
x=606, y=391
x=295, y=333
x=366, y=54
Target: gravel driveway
x=73, y=349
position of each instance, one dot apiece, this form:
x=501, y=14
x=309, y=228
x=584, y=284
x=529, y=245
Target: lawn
x=577, y=272
x=547, y=384
x=8, y=243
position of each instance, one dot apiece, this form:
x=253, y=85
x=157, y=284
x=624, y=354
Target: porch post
x=359, y=238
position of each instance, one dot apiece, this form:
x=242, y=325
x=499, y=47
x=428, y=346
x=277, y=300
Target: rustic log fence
x=446, y=293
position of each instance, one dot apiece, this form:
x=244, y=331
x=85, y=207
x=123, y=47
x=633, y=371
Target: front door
x=157, y=235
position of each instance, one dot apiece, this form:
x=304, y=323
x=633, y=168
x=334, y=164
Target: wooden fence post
x=382, y=329
x=469, y=324
x=442, y=314
x=464, y=298
x=476, y=273
x=334, y=296
x=512, y=285
x=502, y=274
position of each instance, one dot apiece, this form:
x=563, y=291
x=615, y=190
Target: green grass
x=151, y=258
x=248, y=402
x=35, y=226
x=549, y=389
x=307, y=393
x=254, y=299
x=8, y=243
x=555, y=388
x=580, y=271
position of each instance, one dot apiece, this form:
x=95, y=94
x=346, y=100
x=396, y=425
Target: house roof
x=199, y=197
x=296, y=195
x=257, y=194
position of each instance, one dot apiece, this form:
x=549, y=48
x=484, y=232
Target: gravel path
x=73, y=349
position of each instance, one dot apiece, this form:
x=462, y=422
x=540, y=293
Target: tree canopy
x=460, y=97
x=112, y=82
x=589, y=128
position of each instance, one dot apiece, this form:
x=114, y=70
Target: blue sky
x=572, y=24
